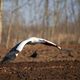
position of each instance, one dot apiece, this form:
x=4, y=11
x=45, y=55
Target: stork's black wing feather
x=10, y=55
x=14, y=48
x=46, y=43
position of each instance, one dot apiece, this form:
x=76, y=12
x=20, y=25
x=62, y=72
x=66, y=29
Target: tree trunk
x=45, y=19
x=0, y=20
x=12, y=21
x=46, y=22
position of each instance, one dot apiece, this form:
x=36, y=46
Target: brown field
x=50, y=63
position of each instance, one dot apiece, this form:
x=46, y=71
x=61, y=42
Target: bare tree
x=56, y=13
x=78, y=20
x=46, y=16
x=1, y=7
x=12, y=21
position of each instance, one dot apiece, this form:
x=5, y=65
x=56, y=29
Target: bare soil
x=50, y=63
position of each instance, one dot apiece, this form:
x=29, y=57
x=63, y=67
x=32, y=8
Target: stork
x=13, y=53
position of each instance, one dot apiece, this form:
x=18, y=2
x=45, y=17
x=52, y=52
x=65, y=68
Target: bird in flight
x=13, y=53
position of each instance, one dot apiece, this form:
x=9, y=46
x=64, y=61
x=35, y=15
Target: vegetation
x=55, y=20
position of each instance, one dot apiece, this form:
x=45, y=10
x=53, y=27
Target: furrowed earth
x=49, y=64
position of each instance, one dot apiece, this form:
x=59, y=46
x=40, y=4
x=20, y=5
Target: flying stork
x=13, y=53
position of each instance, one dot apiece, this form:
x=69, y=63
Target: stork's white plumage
x=19, y=47
x=35, y=40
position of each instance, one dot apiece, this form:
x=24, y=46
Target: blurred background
x=55, y=20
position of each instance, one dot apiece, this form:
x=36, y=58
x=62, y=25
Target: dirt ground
x=49, y=64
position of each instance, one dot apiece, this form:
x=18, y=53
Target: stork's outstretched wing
x=10, y=55
x=18, y=48
x=34, y=40
x=22, y=44
x=46, y=42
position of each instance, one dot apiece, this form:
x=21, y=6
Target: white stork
x=19, y=47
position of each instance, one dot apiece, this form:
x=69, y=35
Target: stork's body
x=34, y=40
x=19, y=47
